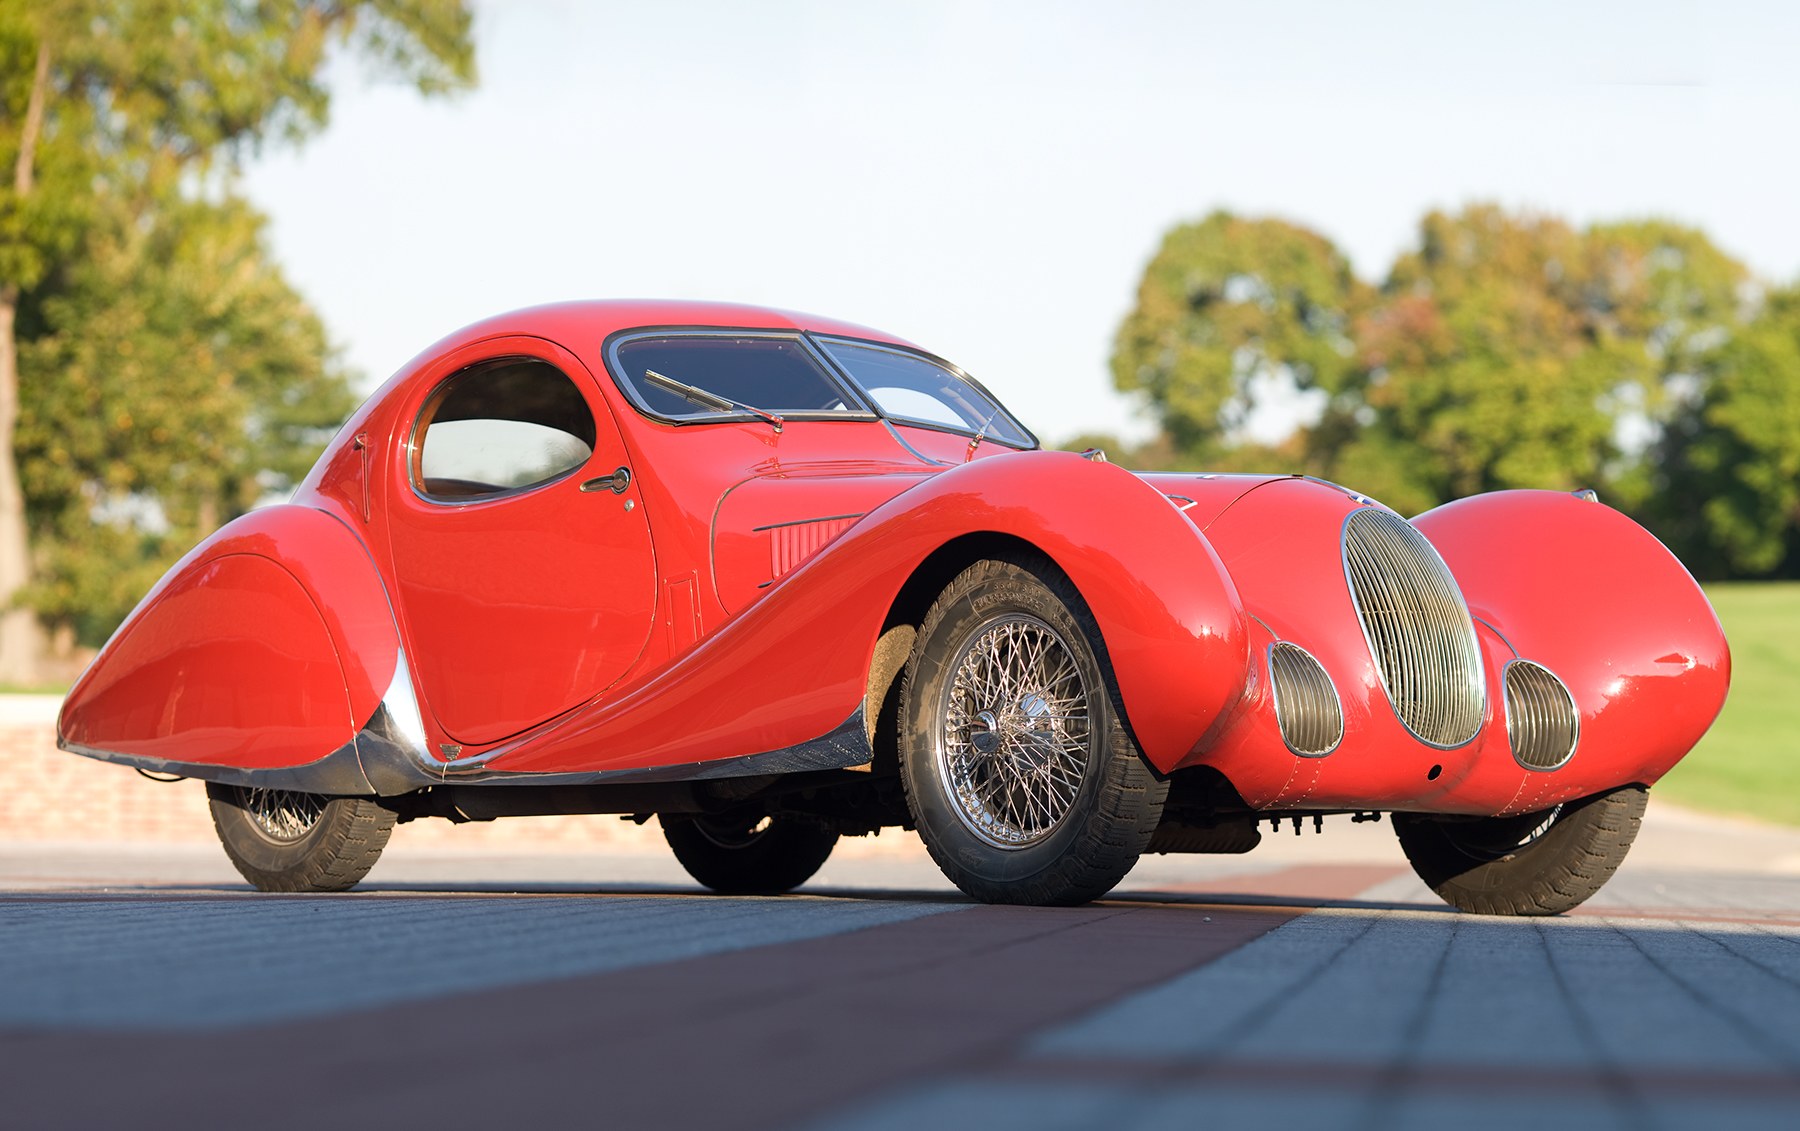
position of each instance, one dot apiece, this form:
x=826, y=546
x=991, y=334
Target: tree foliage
x=1227, y=309
x=1725, y=474
x=175, y=378
x=163, y=372
x=1505, y=350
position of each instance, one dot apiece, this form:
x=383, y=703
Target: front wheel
x=281, y=840
x=1541, y=863
x=1019, y=772
x=746, y=852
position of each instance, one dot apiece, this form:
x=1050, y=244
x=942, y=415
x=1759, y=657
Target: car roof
x=584, y=324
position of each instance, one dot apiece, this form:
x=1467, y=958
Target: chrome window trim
x=615, y=369
x=902, y=441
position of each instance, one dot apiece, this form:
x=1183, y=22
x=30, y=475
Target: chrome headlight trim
x=1543, y=725
x=1308, y=708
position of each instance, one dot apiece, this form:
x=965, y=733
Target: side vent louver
x=1542, y=724
x=1306, y=704
x=791, y=544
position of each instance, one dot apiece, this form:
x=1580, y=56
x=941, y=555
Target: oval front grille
x=1542, y=723
x=1306, y=704
x=1419, y=630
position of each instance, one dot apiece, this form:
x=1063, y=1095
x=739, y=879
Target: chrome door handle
x=616, y=482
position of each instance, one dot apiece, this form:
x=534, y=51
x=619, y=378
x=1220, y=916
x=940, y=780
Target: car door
x=525, y=574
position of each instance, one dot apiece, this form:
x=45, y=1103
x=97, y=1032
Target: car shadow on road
x=1242, y=899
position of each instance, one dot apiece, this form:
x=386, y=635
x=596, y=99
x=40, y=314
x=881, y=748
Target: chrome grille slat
x=1306, y=703
x=1542, y=723
x=1419, y=630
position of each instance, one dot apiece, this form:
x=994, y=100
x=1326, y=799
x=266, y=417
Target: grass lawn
x=1749, y=763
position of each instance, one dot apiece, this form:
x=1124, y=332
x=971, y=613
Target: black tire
x=1040, y=796
x=1540, y=863
x=285, y=841
x=748, y=853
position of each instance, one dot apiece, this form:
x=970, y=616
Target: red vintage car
x=776, y=579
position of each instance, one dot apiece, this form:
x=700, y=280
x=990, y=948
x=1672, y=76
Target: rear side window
x=774, y=374
x=500, y=427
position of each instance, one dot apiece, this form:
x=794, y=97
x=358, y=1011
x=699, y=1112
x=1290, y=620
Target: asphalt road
x=1312, y=983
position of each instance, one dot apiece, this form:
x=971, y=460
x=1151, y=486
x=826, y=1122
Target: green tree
x=1478, y=360
x=176, y=378
x=1506, y=350
x=1725, y=474
x=1230, y=309
x=112, y=112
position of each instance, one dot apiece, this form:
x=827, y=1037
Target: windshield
x=914, y=389
x=729, y=376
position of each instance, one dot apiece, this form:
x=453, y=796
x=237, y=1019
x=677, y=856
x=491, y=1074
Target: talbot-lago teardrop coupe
x=775, y=579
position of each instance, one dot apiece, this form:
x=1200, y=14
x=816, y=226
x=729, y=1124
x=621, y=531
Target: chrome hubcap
x=1013, y=747
x=280, y=814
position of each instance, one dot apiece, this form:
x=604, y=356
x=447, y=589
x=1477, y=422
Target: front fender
x=794, y=665
x=266, y=647
x=1583, y=590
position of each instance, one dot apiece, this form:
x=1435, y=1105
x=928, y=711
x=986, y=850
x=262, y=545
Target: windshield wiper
x=981, y=435
x=707, y=399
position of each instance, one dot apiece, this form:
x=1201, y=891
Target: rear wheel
x=282, y=840
x=747, y=852
x=1019, y=772
x=1541, y=863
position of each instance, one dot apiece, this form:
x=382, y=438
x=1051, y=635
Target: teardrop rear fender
x=265, y=648
x=794, y=665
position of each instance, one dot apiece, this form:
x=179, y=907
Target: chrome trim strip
x=806, y=521
x=394, y=736
x=1489, y=625
x=1355, y=496
x=901, y=440
x=395, y=766
x=338, y=773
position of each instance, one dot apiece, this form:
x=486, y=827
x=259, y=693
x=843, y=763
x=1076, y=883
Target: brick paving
x=546, y=982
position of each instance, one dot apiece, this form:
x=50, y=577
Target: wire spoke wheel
x=1019, y=774
x=284, y=840
x=1016, y=737
x=283, y=816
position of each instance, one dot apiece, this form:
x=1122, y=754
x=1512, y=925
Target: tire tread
x=1559, y=871
x=1130, y=795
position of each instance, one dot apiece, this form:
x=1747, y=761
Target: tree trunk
x=21, y=637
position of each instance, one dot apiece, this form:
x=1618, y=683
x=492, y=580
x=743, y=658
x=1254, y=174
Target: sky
x=989, y=179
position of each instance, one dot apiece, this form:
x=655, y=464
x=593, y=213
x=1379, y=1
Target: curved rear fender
x=266, y=647
x=1583, y=590
x=794, y=665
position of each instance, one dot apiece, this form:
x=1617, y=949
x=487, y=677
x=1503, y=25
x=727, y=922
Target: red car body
x=703, y=599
